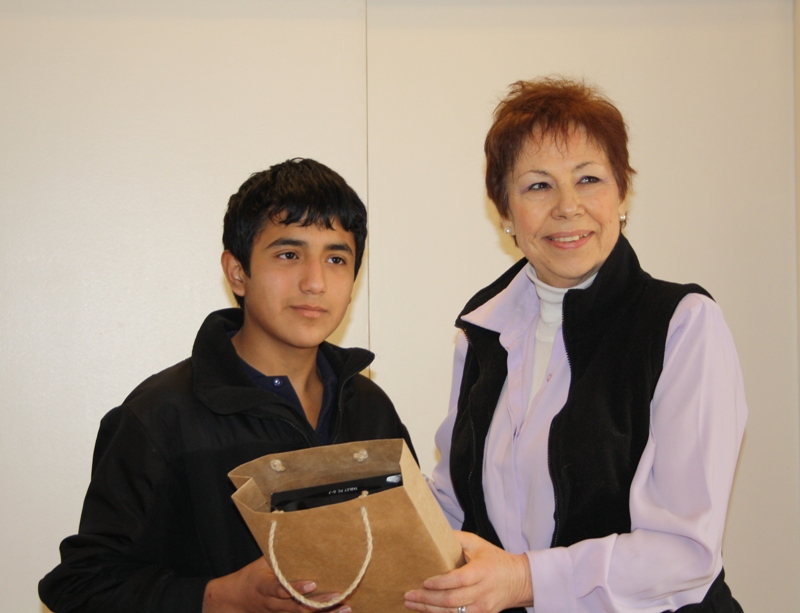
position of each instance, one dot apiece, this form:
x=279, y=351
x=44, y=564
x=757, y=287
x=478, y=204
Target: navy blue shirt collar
x=280, y=385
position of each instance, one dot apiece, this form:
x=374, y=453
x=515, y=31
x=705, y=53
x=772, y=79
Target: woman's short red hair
x=552, y=106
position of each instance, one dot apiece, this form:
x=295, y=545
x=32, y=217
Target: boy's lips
x=310, y=310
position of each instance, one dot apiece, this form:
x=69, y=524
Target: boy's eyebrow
x=287, y=242
x=340, y=247
x=296, y=242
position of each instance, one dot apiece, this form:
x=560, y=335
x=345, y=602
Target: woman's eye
x=588, y=179
x=538, y=186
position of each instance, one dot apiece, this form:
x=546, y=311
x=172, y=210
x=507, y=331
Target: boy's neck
x=294, y=362
x=298, y=364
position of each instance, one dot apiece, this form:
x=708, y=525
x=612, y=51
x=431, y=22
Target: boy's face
x=299, y=287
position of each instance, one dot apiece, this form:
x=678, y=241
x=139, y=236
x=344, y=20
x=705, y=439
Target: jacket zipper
x=302, y=431
x=335, y=437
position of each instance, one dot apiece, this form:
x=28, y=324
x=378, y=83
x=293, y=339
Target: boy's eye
x=337, y=259
x=289, y=255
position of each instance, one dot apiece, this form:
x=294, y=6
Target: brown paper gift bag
x=378, y=546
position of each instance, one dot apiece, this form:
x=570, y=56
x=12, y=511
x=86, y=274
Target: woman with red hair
x=597, y=413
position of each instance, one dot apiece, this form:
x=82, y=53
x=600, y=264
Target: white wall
x=125, y=126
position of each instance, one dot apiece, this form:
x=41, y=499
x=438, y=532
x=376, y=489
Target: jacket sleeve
x=680, y=491
x=129, y=525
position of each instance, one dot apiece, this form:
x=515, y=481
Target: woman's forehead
x=562, y=143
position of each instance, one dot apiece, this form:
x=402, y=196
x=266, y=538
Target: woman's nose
x=568, y=204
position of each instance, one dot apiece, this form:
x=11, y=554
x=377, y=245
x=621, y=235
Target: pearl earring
x=623, y=218
x=508, y=231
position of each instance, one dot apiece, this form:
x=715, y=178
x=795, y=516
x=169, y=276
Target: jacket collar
x=221, y=382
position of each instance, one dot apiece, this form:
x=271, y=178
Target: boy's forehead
x=303, y=231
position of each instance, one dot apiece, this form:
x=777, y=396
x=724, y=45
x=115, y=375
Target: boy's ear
x=234, y=273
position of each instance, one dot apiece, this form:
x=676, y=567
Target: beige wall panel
x=707, y=90
x=125, y=128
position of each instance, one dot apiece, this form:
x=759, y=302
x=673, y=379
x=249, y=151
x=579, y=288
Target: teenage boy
x=159, y=531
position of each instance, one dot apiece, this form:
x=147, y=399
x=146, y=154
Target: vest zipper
x=474, y=444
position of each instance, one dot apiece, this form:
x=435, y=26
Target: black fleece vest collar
x=614, y=333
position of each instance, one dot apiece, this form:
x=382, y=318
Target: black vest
x=615, y=334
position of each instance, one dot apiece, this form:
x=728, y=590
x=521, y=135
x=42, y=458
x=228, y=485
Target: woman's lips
x=569, y=240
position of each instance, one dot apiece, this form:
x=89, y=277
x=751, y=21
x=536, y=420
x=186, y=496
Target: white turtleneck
x=551, y=302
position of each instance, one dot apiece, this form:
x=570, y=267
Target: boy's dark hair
x=299, y=190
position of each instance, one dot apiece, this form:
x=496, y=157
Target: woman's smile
x=568, y=239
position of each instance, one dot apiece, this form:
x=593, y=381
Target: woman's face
x=564, y=208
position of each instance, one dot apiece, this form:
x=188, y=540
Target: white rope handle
x=315, y=604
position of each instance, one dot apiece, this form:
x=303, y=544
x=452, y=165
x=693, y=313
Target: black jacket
x=614, y=333
x=158, y=521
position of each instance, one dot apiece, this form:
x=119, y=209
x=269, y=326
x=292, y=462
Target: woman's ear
x=234, y=273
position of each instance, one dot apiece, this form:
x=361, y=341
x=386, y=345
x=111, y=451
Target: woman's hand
x=255, y=589
x=492, y=580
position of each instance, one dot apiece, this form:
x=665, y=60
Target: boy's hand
x=255, y=589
